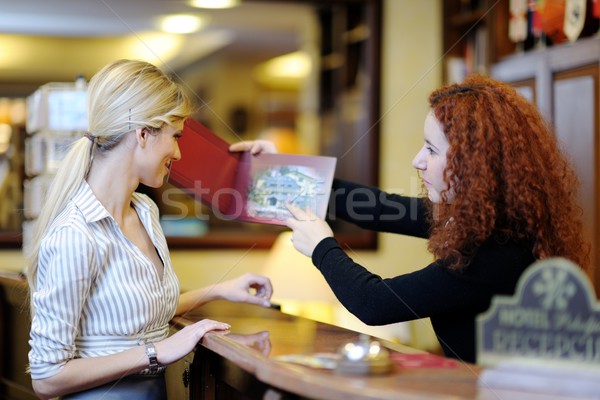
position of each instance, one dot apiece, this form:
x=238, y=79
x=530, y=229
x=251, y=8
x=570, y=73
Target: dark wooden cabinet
x=12, y=162
x=15, y=383
x=563, y=81
x=477, y=31
x=177, y=376
x=349, y=97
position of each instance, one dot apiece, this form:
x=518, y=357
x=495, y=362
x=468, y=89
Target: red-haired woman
x=500, y=196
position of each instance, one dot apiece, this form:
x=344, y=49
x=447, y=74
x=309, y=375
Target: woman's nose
x=177, y=154
x=419, y=161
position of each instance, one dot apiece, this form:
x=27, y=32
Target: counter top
x=259, y=335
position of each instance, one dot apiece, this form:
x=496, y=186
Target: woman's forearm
x=193, y=299
x=85, y=373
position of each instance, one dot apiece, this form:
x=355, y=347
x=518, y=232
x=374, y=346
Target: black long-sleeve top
x=450, y=298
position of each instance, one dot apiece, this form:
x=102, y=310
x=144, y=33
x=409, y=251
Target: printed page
x=268, y=181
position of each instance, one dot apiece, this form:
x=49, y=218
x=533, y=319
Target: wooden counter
x=242, y=364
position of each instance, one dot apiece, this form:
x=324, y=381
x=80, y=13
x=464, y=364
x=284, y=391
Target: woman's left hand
x=254, y=147
x=308, y=229
x=248, y=288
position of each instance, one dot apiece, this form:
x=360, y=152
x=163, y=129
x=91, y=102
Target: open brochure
x=254, y=188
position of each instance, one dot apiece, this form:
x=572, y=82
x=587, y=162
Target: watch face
x=150, y=350
x=151, y=353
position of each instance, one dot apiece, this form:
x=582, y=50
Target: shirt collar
x=93, y=211
x=143, y=210
x=89, y=205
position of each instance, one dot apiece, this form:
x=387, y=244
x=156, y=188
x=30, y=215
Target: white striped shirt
x=97, y=293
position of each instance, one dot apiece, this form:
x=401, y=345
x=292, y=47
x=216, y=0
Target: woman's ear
x=141, y=136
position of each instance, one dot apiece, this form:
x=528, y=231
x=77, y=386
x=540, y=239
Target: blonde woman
x=102, y=285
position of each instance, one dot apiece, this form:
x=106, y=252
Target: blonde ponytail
x=65, y=183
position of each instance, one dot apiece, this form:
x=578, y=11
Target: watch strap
x=153, y=364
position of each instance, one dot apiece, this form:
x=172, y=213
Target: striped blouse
x=97, y=293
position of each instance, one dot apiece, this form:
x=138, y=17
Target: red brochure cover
x=250, y=188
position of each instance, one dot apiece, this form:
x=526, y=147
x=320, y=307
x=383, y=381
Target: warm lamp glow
x=301, y=290
x=182, y=23
x=13, y=51
x=293, y=65
x=214, y=3
x=286, y=70
x=297, y=284
x=156, y=48
x=293, y=275
x=285, y=139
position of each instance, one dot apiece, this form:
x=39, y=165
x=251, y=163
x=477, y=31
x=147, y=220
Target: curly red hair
x=510, y=178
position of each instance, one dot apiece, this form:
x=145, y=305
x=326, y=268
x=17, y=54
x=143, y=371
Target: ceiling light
x=181, y=23
x=287, y=71
x=157, y=48
x=293, y=65
x=214, y=3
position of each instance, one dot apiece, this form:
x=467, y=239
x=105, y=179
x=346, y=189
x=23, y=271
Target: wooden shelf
x=466, y=19
x=479, y=36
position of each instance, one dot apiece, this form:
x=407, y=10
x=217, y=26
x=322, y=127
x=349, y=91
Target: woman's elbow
x=373, y=316
x=45, y=388
x=368, y=318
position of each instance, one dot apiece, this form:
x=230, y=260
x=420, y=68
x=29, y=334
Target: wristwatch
x=152, y=360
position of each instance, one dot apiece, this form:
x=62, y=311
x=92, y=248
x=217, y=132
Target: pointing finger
x=298, y=213
x=291, y=223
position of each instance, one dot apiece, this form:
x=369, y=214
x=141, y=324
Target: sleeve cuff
x=45, y=370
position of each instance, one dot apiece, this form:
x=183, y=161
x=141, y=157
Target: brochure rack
x=56, y=117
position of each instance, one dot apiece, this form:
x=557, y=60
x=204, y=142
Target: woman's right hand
x=254, y=146
x=180, y=344
x=308, y=230
x=247, y=288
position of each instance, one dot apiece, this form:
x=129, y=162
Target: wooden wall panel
x=575, y=105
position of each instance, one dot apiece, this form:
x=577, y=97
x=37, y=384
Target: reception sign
x=553, y=317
